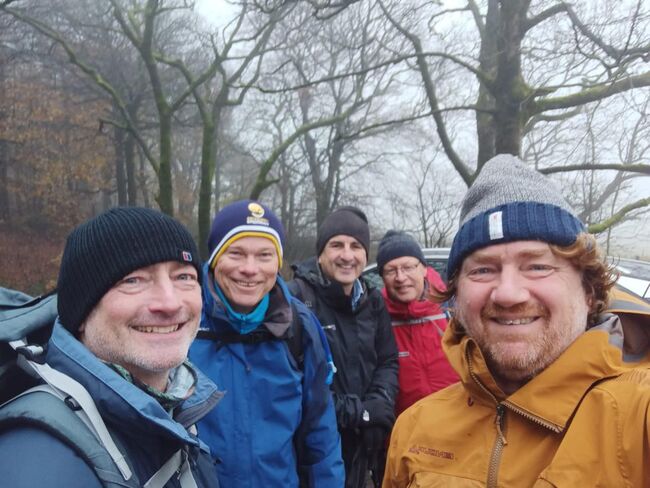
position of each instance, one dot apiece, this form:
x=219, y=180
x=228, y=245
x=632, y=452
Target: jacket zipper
x=499, y=422
x=544, y=423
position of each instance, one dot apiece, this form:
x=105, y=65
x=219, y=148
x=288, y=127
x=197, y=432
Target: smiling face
x=246, y=271
x=342, y=260
x=523, y=305
x=404, y=279
x=146, y=321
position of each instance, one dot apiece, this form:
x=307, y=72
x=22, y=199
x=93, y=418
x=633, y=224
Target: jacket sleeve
x=318, y=442
x=384, y=379
x=32, y=457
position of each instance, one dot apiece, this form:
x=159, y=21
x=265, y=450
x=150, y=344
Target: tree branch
x=592, y=94
x=618, y=216
x=631, y=168
x=261, y=183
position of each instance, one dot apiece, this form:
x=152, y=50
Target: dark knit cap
x=348, y=221
x=244, y=218
x=105, y=249
x=511, y=202
x=396, y=244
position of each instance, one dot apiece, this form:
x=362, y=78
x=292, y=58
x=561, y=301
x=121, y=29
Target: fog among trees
x=390, y=105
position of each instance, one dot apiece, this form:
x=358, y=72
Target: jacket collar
x=122, y=402
x=552, y=396
x=331, y=292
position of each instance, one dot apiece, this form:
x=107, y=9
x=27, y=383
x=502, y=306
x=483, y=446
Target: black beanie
x=396, y=244
x=105, y=249
x=349, y=221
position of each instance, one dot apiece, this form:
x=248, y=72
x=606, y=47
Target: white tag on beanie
x=495, y=224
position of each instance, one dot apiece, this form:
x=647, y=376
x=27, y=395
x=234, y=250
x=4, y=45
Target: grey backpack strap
x=65, y=387
x=179, y=464
x=42, y=407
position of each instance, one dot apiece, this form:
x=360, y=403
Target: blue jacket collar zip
x=121, y=401
x=243, y=323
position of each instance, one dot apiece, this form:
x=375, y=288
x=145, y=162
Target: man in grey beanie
x=358, y=330
x=553, y=390
x=129, y=305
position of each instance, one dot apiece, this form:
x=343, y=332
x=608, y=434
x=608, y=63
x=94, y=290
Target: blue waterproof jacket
x=146, y=433
x=275, y=421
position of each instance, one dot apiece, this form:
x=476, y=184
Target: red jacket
x=418, y=327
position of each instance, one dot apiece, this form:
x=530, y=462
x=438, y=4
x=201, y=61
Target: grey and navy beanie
x=349, y=221
x=511, y=202
x=396, y=244
x=105, y=249
x=244, y=218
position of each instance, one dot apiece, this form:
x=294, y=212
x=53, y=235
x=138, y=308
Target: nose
x=165, y=298
x=249, y=266
x=400, y=274
x=346, y=253
x=510, y=289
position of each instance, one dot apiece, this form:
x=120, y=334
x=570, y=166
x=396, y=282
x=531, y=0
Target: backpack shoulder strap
x=303, y=292
x=294, y=338
x=43, y=409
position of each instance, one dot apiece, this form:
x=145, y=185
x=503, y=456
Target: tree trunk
x=120, y=179
x=485, y=128
x=208, y=163
x=510, y=88
x=129, y=165
x=165, y=189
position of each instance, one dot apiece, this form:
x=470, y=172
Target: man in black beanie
x=359, y=332
x=129, y=305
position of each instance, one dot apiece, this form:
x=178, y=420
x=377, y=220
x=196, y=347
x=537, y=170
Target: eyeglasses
x=407, y=269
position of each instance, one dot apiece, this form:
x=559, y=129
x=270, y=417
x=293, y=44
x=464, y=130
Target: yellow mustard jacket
x=582, y=422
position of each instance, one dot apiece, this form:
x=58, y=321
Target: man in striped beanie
x=275, y=427
x=553, y=390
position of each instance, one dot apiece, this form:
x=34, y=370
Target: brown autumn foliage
x=59, y=165
x=30, y=259
x=56, y=172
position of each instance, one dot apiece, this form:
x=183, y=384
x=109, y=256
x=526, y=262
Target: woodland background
x=393, y=106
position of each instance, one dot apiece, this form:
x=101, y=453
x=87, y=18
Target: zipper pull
x=499, y=421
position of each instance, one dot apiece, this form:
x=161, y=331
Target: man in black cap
x=129, y=305
x=359, y=333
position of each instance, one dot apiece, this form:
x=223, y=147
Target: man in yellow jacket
x=550, y=394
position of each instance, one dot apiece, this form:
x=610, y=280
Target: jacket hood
x=124, y=403
x=416, y=308
x=554, y=393
x=277, y=319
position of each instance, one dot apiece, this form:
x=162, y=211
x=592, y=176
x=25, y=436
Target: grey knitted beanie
x=511, y=202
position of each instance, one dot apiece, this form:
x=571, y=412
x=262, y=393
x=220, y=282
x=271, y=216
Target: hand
x=380, y=413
